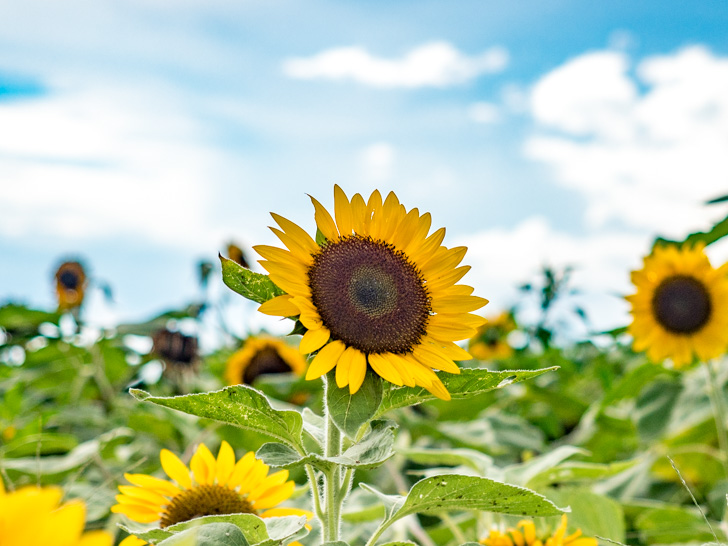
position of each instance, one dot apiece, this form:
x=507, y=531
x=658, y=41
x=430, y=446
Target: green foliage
x=250, y=285
x=350, y=411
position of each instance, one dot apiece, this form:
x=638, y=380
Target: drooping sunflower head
x=178, y=351
x=490, y=342
x=235, y=253
x=260, y=356
x=36, y=515
x=377, y=292
x=71, y=284
x=525, y=535
x=208, y=487
x=680, y=310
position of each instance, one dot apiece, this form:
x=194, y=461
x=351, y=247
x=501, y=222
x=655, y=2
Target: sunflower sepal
x=213, y=534
x=253, y=286
x=240, y=406
x=470, y=382
x=350, y=412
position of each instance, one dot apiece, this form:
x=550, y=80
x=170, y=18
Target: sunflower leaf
x=282, y=456
x=213, y=534
x=240, y=406
x=455, y=492
x=253, y=286
x=153, y=536
x=350, y=411
x=251, y=525
x=469, y=382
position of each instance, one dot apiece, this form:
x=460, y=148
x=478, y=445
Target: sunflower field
x=401, y=409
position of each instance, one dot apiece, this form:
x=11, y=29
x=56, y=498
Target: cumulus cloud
x=378, y=161
x=435, y=64
x=646, y=149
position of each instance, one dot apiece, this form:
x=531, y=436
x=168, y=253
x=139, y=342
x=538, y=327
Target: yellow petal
x=457, y=304
x=102, y=538
x=175, y=469
x=280, y=512
x=384, y=369
x=342, y=211
x=257, y=474
x=280, y=306
x=324, y=221
x=439, y=390
x=132, y=541
x=268, y=483
x=357, y=371
x=136, y=513
x=296, y=233
x=343, y=367
x=275, y=254
x=402, y=367
x=241, y=470
x=203, y=466
x=225, y=463
x=275, y=496
x=358, y=211
x=149, y=497
x=325, y=360
x=313, y=340
x=432, y=358
x=373, y=206
x=163, y=487
x=305, y=254
x=63, y=526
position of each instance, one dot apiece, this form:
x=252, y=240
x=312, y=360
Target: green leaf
x=283, y=530
x=400, y=543
x=675, y=525
x=253, y=286
x=251, y=525
x=522, y=474
x=213, y=534
x=455, y=492
x=480, y=462
x=240, y=406
x=469, y=382
x=337, y=543
x=282, y=456
x=717, y=232
x=152, y=536
x=592, y=513
x=350, y=411
x=580, y=473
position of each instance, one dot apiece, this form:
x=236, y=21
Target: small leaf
x=454, y=492
x=253, y=286
x=151, y=535
x=284, y=530
x=350, y=411
x=213, y=534
x=391, y=503
x=251, y=525
x=282, y=456
x=469, y=382
x=240, y=406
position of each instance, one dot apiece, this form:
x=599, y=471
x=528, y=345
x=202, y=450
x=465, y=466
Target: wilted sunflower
x=681, y=306
x=208, y=487
x=70, y=285
x=490, y=342
x=525, y=535
x=378, y=291
x=262, y=355
x=35, y=515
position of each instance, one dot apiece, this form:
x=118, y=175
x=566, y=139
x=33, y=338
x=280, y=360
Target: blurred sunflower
x=178, y=351
x=377, y=291
x=262, y=355
x=236, y=254
x=681, y=306
x=35, y=515
x=208, y=487
x=70, y=285
x=525, y=535
x=490, y=341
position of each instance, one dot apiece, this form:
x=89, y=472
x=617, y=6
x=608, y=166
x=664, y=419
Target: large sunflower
x=525, y=535
x=681, y=306
x=262, y=355
x=35, y=515
x=376, y=290
x=209, y=487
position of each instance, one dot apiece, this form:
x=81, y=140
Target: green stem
x=315, y=492
x=717, y=400
x=332, y=482
x=456, y=531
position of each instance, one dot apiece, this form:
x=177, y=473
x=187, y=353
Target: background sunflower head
x=525, y=535
x=260, y=356
x=376, y=292
x=680, y=309
x=490, y=342
x=71, y=282
x=179, y=352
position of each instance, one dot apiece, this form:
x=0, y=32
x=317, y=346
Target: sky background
x=144, y=135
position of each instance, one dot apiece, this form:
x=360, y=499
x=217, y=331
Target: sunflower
x=681, y=306
x=376, y=293
x=490, y=341
x=262, y=355
x=236, y=254
x=178, y=351
x=35, y=515
x=208, y=487
x=70, y=285
x=526, y=536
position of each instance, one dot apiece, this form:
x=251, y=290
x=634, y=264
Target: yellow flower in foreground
x=208, y=487
x=70, y=285
x=525, y=535
x=35, y=515
x=490, y=341
x=132, y=541
x=262, y=355
x=379, y=291
x=681, y=306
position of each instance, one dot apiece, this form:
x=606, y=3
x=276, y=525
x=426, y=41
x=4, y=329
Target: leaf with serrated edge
x=214, y=534
x=253, y=286
x=281, y=456
x=469, y=382
x=350, y=411
x=240, y=406
x=285, y=529
x=151, y=535
x=251, y=525
x=455, y=492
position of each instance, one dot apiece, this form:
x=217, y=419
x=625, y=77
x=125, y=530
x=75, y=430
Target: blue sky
x=143, y=135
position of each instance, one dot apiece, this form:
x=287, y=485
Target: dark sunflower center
x=369, y=295
x=175, y=347
x=69, y=280
x=265, y=361
x=204, y=500
x=682, y=304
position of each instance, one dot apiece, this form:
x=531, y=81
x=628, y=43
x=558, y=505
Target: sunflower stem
x=719, y=413
x=332, y=480
x=315, y=492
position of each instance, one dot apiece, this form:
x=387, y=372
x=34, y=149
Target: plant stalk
x=332, y=482
x=719, y=413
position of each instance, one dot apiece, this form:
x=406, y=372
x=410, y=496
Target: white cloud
x=501, y=259
x=484, y=112
x=649, y=159
x=435, y=64
x=378, y=161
